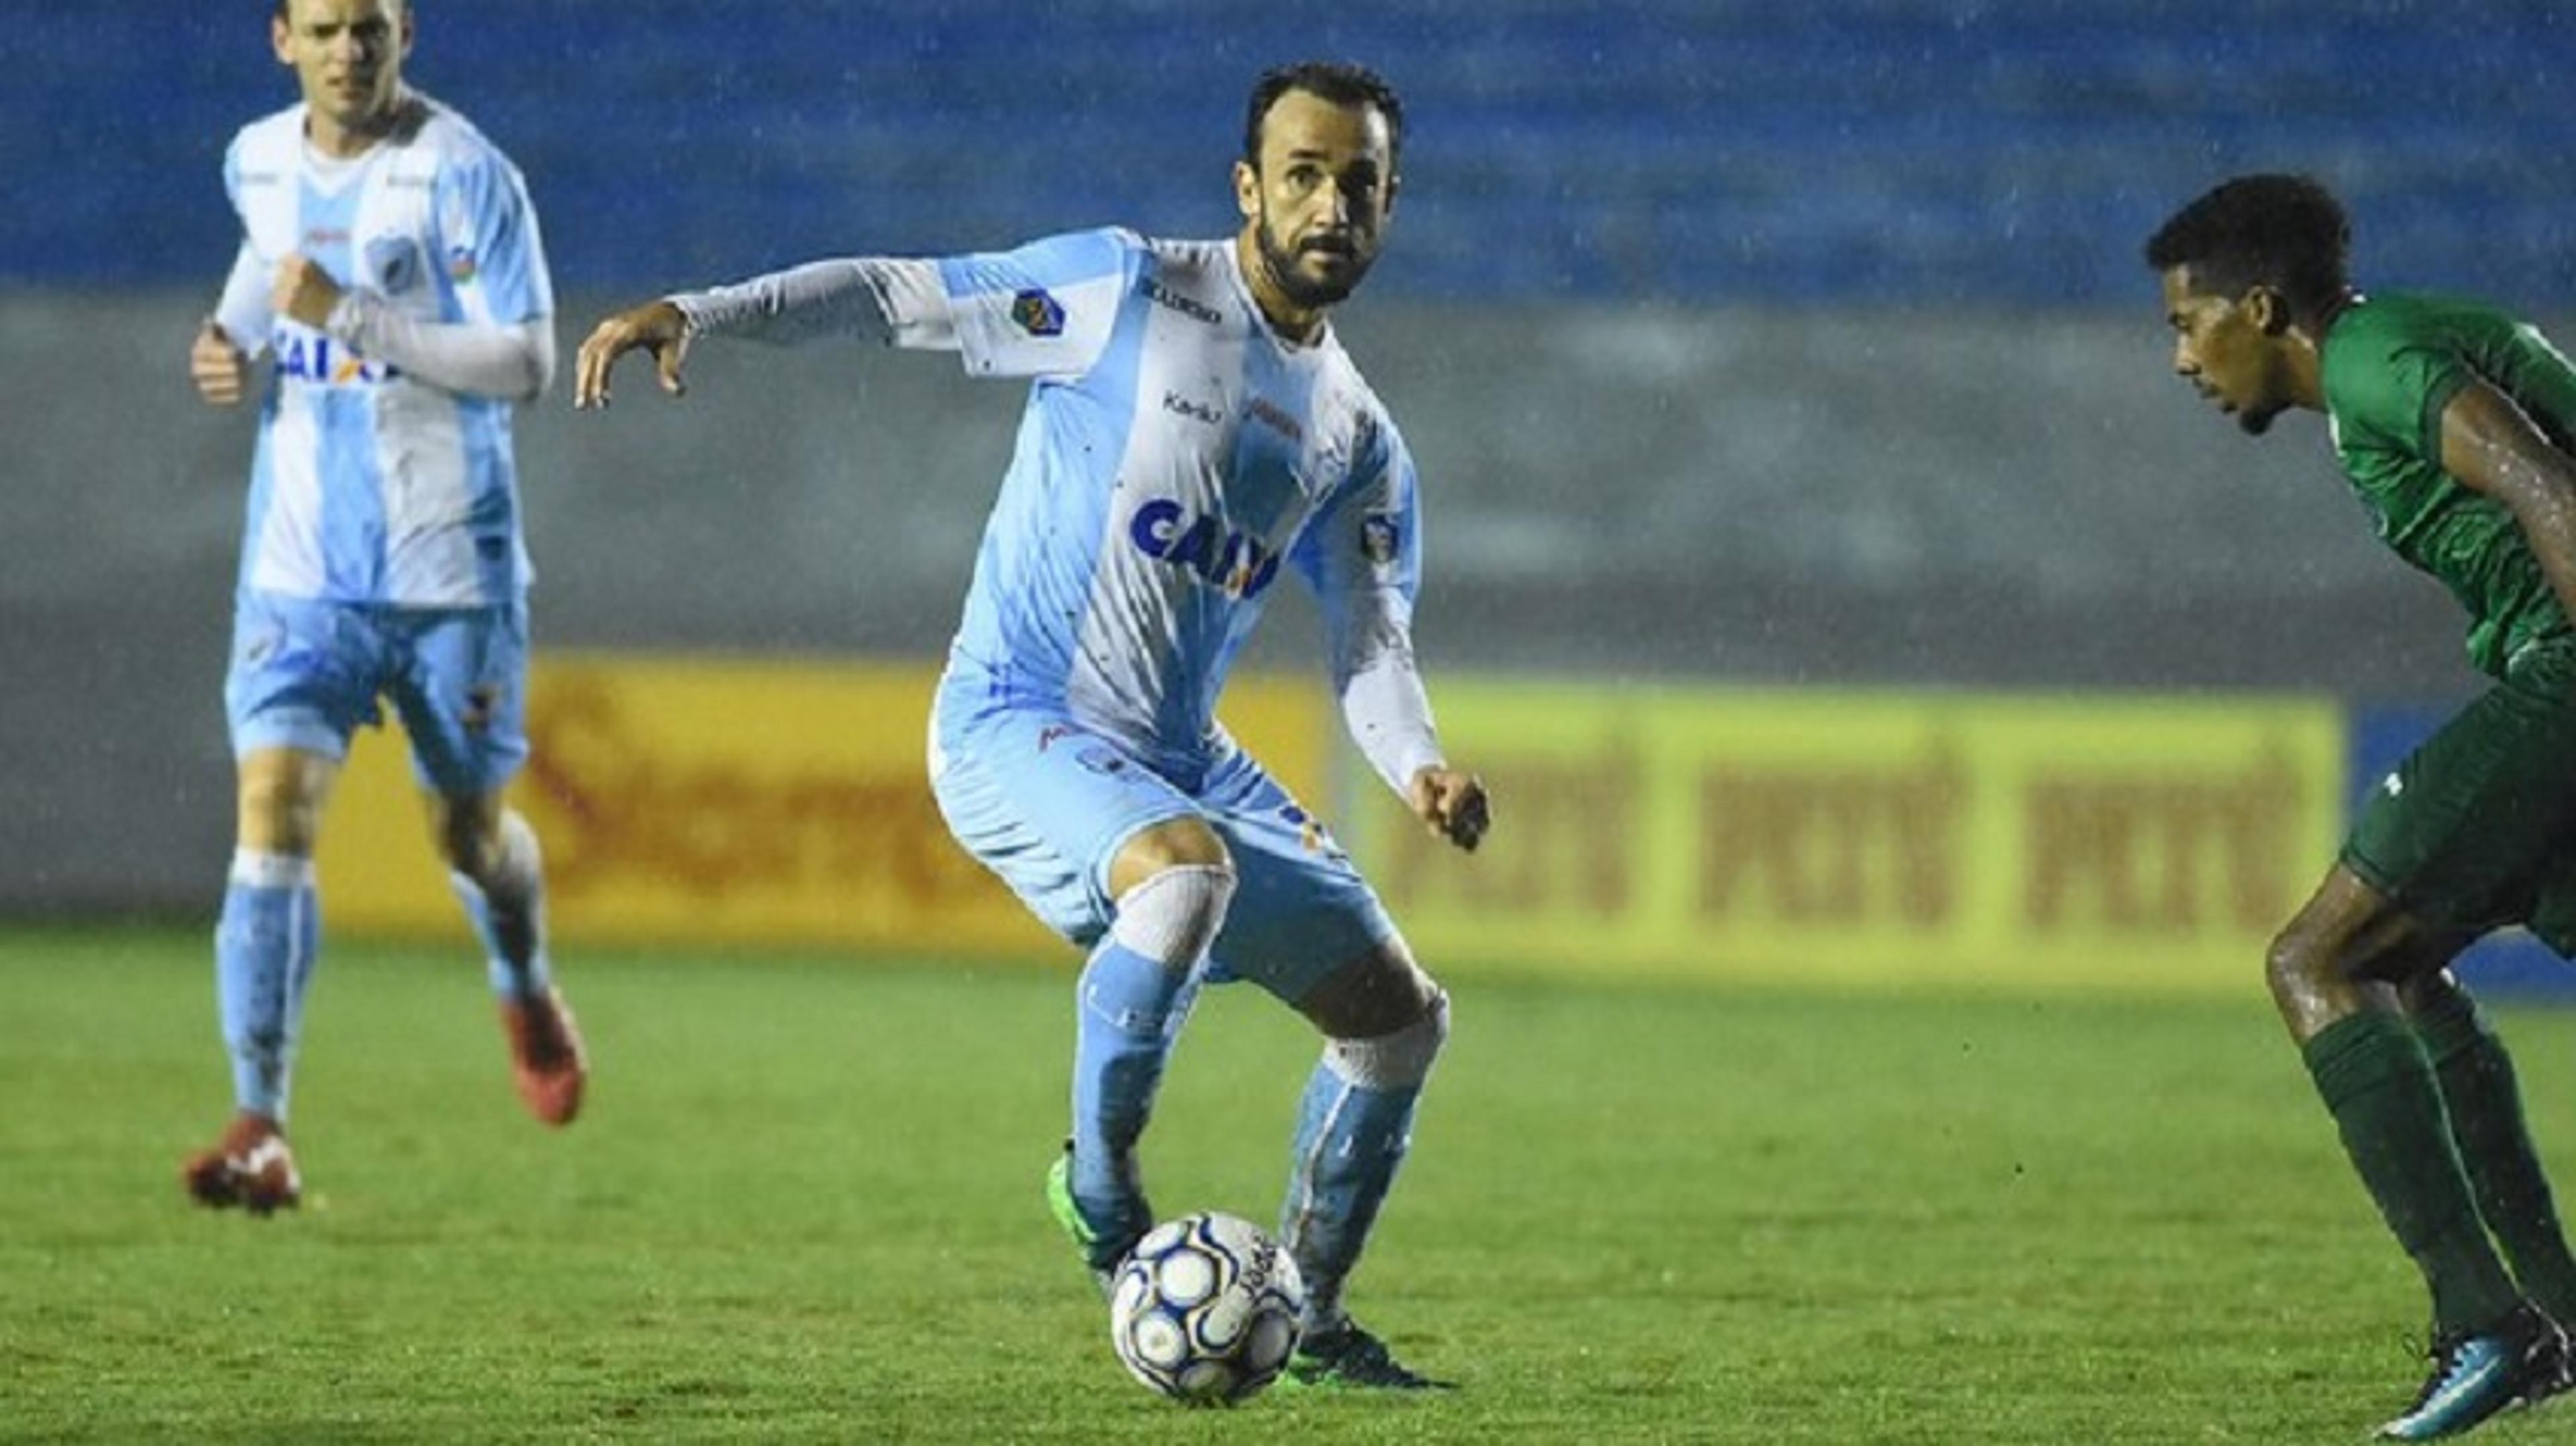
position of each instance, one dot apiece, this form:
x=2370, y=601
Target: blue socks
x=509, y=915
x=1131, y=1009
x=1353, y=1128
x=265, y=946
x=1349, y=1141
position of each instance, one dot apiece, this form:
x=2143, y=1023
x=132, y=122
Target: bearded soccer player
x=1193, y=425
x=391, y=273
x=2452, y=422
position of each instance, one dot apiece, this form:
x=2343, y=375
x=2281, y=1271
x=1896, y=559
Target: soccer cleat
x=2474, y=1376
x=547, y=1061
x=1348, y=1356
x=1101, y=1249
x=2558, y=1384
x=249, y=1167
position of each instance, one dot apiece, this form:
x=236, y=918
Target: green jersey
x=2392, y=364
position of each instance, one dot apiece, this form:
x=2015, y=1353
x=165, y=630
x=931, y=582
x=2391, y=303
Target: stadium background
x=1822, y=563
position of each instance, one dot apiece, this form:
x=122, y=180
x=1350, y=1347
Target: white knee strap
x=1395, y=1061
x=256, y=869
x=1172, y=917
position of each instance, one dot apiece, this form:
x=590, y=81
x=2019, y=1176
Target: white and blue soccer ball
x=1204, y=1310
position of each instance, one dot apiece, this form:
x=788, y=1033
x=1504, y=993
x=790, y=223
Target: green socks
x=2485, y=1106
x=2374, y=1077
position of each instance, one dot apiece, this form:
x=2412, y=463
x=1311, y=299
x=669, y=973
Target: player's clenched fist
x=1452, y=805
x=656, y=326
x=304, y=290
x=219, y=369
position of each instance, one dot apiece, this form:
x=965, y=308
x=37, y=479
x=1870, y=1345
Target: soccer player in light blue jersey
x=392, y=274
x=1193, y=430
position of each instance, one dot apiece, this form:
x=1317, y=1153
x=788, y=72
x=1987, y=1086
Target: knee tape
x=1401, y=1060
x=1174, y=916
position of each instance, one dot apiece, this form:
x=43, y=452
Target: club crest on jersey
x=395, y=262
x=460, y=264
x=1381, y=538
x=1235, y=563
x=1037, y=313
x=310, y=357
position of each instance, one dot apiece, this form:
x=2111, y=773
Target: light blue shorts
x=1046, y=803
x=307, y=675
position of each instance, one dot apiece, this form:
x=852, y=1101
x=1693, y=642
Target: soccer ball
x=1204, y=1310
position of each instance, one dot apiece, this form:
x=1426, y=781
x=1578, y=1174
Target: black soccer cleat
x=1347, y=1357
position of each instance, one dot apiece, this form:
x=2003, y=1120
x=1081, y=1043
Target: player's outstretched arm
x=1452, y=804
x=656, y=326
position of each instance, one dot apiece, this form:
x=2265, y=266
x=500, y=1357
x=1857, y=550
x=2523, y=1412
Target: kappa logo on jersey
x=309, y=357
x=1037, y=313
x=1235, y=563
x=1189, y=306
x=1279, y=421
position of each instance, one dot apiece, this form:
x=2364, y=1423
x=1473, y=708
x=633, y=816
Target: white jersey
x=369, y=485
x=1175, y=451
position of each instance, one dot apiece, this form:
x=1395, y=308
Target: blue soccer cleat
x=2522, y=1358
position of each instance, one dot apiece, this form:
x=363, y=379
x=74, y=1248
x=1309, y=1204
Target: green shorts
x=2477, y=828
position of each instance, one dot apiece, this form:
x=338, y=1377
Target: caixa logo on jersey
x=311, y=357
x=1233, y=562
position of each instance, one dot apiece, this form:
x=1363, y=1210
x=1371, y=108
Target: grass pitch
x=804, y=1204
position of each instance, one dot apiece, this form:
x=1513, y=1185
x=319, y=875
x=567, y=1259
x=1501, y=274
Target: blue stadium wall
x=1907, y=152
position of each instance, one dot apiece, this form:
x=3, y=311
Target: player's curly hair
x=1339, y=82
x=2282, y=231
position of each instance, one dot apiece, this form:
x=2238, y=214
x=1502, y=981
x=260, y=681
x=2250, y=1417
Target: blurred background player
x=1194, y=424
x=2451, y=421
x=392, y=268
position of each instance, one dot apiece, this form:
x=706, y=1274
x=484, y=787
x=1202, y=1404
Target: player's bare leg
x=1173, y=882
x=265, y=947
x=1383, y=1020
x=498, y=872
x=2336, y=973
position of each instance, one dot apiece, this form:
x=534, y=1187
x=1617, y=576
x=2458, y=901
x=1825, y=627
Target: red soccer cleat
x=250, y=1167
x=546, y=1058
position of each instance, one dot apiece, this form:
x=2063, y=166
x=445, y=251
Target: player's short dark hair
x=2286, y=232
x=1336, y=81
x=282, y=4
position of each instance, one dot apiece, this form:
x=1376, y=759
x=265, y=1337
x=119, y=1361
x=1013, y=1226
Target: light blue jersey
x=1175, y=452
x=369, y=486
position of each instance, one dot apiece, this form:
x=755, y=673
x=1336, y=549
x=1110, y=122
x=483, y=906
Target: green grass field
x=804, y=1205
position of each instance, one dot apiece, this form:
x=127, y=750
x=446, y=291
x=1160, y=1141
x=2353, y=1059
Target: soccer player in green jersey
x=2452, y=421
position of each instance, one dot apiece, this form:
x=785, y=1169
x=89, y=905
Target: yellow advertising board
x=1871, y=838
x=700, y=801
x=1789, y=835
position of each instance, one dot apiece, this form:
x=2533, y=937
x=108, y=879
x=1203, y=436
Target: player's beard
x=1303, y=291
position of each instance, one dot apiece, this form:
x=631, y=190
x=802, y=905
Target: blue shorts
x=1046, y=803
x=307, y=675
